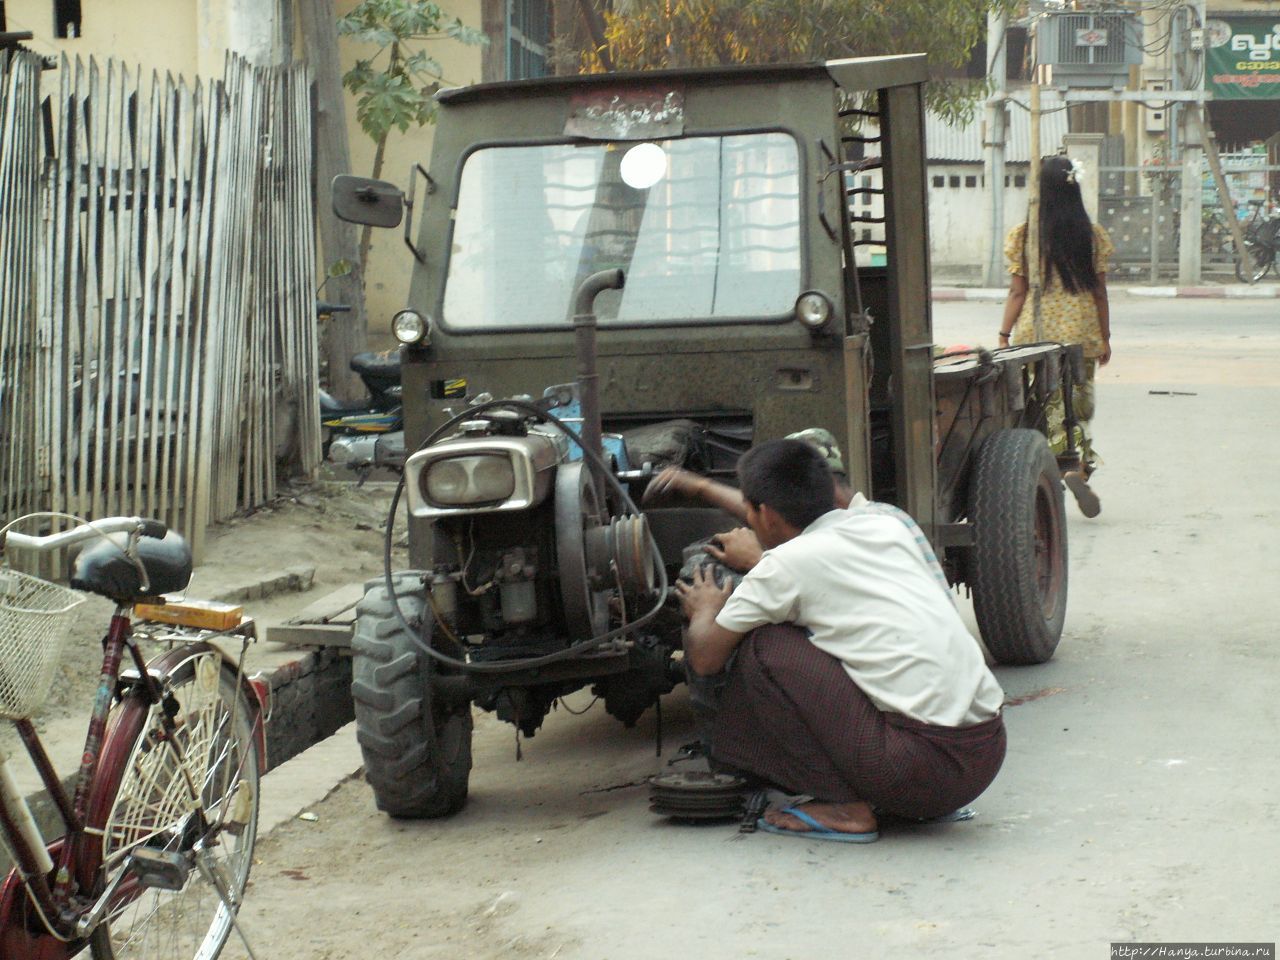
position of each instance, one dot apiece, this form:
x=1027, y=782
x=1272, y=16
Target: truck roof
x=860, y=73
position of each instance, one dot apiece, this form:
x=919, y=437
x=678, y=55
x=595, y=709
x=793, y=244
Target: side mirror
x=374, y=203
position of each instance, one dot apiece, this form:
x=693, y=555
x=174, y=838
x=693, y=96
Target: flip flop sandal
x=1086, y=499
x=817, y=831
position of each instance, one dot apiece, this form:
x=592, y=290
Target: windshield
x=705, y=228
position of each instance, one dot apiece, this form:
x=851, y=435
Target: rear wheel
x=1019, y=557
x=142, y=799
x=1258, y=258
x=417, y=752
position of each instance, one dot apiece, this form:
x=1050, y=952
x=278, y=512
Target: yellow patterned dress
x=1065, y=318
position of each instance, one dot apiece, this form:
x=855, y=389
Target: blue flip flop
x=816, y=830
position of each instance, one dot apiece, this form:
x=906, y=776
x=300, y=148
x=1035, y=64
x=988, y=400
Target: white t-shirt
x=861, y=586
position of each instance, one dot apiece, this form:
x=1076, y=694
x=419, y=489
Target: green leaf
x=339, y=268
x=399, y=95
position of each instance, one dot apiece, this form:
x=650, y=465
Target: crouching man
x=846, y=672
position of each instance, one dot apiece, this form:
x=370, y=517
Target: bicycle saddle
x=104, y=569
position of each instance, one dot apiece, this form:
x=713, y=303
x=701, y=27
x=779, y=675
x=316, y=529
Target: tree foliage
x=653, y=34
x=398, y=92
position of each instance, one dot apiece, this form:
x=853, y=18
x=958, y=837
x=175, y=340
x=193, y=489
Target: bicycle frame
x=60, y=906
x=52, y=922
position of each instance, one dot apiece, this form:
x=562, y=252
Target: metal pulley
x=597, y=555
x=621, y=555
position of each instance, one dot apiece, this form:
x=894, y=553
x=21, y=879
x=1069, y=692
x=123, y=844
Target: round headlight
x=813, y=309
x=447, y=482
x=492, y=478
x=410, y=327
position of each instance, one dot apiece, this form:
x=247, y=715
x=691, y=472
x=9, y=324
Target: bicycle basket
x=35, y=617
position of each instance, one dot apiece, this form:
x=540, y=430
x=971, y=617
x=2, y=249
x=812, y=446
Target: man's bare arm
x=675, y=480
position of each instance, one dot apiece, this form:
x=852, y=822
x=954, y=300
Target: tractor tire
x=414, y=775
x=1018, y=569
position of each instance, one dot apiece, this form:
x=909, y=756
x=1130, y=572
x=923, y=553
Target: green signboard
x=1242, y=57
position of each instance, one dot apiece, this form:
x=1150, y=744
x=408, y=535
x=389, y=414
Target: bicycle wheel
x=1258, y=258
x=142, y=798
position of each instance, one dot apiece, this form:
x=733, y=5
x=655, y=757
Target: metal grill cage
x=35, y=618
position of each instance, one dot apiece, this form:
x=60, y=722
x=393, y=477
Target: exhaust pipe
x=584, y=336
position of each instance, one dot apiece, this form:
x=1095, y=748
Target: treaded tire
x=1019, y=560
x=393, y=706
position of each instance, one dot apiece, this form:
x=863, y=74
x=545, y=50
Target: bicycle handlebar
x=87, y=530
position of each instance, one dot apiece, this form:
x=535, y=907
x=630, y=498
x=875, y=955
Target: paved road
x=1138, y=801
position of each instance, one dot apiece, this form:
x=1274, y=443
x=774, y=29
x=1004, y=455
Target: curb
x=289, y=580
x=1240, y=291
x=1235, y=291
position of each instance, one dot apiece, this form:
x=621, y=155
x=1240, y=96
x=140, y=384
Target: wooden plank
x=200, y=420
x=311, y=635
x=185, y=308
x=339, y=606
x=152, y=291
x=125, y=167
x=161, y=372
x=90, y=315
x=57, y=383
x=104, y=115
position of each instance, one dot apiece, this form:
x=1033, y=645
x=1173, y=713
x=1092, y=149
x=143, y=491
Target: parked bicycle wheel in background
x=1260, y=246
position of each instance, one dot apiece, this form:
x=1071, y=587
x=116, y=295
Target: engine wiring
x=597, y=463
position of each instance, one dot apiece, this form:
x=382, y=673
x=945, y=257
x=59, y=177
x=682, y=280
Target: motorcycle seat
x=104, y=569
x=385, y=363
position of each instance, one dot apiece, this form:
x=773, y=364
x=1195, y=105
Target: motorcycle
x=366, y=433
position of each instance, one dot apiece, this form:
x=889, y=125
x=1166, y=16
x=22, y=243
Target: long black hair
x=1066, y=235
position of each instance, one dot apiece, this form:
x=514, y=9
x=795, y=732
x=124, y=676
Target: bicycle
x=161, y=823
x=1260, y=245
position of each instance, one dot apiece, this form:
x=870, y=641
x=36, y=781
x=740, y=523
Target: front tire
x=140, y=798
x=1019, y=557
x=397, y=720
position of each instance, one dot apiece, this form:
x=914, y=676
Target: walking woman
x=1073, y=305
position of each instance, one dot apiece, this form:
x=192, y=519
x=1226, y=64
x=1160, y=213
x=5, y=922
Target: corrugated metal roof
x=963, y=144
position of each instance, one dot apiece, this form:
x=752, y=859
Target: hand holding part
x=672, y=480
x=739, y=549
x=703, y=595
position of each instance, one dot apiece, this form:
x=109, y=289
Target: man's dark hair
x=791, y=477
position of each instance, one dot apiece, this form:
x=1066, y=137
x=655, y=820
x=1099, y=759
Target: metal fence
x=1146, y=226
x=157, y=333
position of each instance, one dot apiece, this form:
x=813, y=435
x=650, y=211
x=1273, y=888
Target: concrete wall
x=156, y=36
x=958, y=215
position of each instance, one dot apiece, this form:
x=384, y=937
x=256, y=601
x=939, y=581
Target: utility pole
x=1035, y=278
x=346, y=334
x=997, y=119
x=1191, y=73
